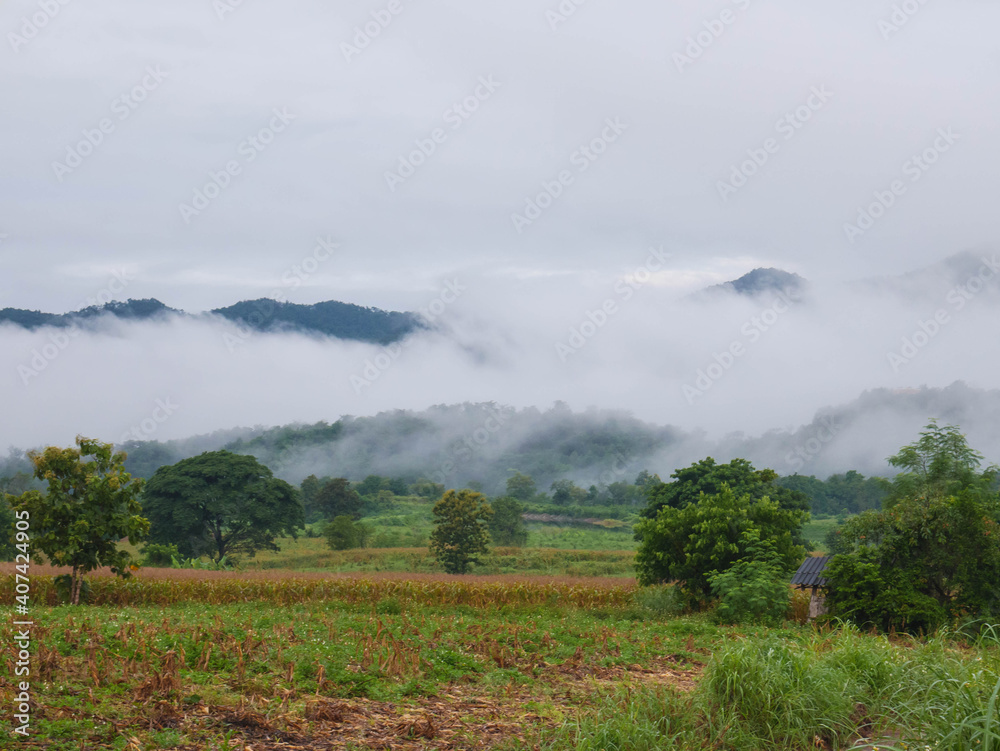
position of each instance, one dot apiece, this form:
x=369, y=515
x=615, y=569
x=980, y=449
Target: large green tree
x=91, y=503
x=691, y=543
x=461, y=524
x=932, y=554
x=220, y=504
x=708, y=477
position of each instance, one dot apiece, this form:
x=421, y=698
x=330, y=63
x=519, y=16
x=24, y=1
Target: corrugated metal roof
x=809, y=573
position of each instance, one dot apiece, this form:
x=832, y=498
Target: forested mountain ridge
x=329, y=318
x=332, y=318
x=130, y=310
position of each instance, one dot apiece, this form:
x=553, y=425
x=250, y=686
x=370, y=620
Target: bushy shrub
x=754, y=589
x=159, y=555
x=867, y=591
x=343, y=533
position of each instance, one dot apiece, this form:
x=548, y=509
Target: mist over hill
x=723, y=371
x=485, y=442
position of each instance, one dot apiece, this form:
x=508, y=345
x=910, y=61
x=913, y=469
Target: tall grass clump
x=663, y=601
x=848, y=686
x=770, y=693
x=631, y=718
x=949, y=697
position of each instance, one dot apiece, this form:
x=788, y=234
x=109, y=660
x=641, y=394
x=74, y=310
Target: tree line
x=724, y=536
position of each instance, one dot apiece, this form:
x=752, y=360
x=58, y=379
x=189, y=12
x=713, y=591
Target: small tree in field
x=460, y=533
x=91, y=503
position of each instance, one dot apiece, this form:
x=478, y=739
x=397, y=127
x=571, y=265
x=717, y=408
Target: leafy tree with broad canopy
x=696, y=541
x=708, y=477
x=932, y=554
x=461, y=523
x=220, y=504
x=91, y=503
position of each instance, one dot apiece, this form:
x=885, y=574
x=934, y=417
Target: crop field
x=185, y=659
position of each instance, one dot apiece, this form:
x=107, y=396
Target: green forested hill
x=332, y=318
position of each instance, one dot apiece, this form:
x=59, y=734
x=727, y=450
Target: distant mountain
x=934, y=282
x=759, y=281
x=130, y=310
x=331, y=318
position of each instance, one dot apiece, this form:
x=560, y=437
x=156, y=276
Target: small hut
x=810, y=576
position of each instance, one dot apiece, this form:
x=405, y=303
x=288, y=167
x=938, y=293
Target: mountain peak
x=761, y=280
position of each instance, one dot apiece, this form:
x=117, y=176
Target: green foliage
x=338, y=498
x=933, y=554
x=426, y=489
x=918, y=564
x=506, y=525
x=7, y=530
x=223, y=564
x=774, y=694
x=754, y=590
x=863, y=590
x=565, y=493
x=787, y=690
x=663, y=601
x=686, y=544
x=629, y=719
x=460, y=535
x=707, y=477
x=64, y=585
x=374, y=484
x=158, y=555
x=308, y=490
x=849, y=493
x=521, y=486
x=344, y=533
x=220, y=504
x=940, y=463
x=91, y=503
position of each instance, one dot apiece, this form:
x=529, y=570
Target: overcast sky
x=731, y=134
